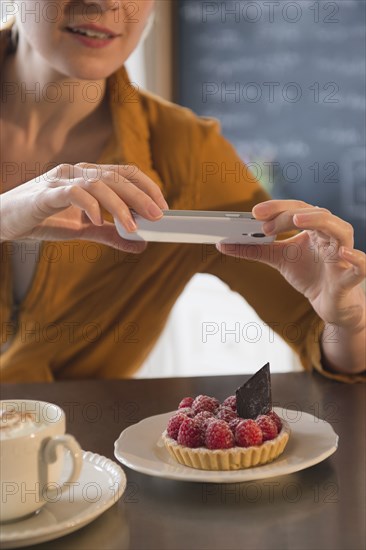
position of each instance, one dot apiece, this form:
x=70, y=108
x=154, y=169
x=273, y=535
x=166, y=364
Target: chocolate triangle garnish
x=254, y=397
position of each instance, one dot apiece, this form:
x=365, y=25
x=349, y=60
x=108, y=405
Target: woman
x=80, y=146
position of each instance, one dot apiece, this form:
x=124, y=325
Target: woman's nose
x=104, y=5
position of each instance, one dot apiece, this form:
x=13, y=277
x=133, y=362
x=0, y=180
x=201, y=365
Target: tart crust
x=235, y=458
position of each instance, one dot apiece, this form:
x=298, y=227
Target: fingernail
x=262, y=208
x=347, y=252
x=99, y=219
x=299, y=218
x=269, y=227
x=155, y=211
x=131, y=226
x=165, y=205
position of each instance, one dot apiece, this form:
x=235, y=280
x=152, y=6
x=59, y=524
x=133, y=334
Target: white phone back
x=228, y=228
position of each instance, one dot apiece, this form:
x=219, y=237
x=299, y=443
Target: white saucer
x=140, y=447
x=101, y=483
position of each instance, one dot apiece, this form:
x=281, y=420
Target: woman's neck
x=53, y=100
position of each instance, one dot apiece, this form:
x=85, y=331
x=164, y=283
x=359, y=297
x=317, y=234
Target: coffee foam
x=14, y=423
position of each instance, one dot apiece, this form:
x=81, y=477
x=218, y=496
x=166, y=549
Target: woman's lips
x=92, y=36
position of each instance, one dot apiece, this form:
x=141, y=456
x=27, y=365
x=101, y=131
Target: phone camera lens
x=258, y=235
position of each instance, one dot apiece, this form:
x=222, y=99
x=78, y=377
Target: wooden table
x=322, y=507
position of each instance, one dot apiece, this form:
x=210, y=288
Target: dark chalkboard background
x=287, y=81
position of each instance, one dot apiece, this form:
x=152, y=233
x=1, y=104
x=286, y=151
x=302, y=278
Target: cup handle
x=50, y=456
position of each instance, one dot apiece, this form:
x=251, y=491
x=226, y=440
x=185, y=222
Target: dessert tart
x=234, y=458
x=242, y=432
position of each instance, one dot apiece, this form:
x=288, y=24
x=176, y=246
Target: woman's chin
x=89, y=73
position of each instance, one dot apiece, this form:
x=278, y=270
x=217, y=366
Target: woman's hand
x=320, y=261
x=65, y=204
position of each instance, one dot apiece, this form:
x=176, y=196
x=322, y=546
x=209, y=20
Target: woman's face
x=83, y=39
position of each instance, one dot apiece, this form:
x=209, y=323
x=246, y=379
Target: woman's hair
x=149, y=25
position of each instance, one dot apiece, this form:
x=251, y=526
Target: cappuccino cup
x=32, y=454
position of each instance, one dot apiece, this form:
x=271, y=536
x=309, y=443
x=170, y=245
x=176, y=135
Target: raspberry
x=233, y=423
x=187, y=411
x=268, y=427
x=186, y=402
x=276, y=419
x=204, y=417
x=230, y=402
x=174, y=424
x=205, y=403
x=191, y=433
x=248, y=434
x=219, y=435
x=225, y=413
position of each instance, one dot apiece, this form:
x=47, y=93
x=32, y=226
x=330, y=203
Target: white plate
x=101, y=483
x=140, y=447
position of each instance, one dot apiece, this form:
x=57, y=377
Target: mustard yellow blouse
x=94, y=312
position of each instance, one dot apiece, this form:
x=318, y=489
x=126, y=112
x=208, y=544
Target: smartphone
x=198, y=226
